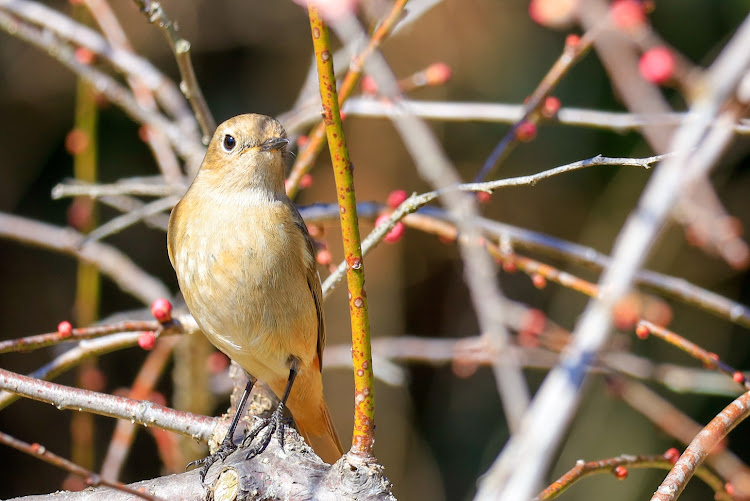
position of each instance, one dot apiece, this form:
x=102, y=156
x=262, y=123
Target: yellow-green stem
x=86, y=306
x=364, y=397
x=317, y=136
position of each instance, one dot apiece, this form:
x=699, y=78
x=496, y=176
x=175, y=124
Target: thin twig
x=110, y=261
x=191, y=151
x=571, y=54
x=143, y=385
x=584, y=469
x=181, y=49
x=156, y=140
x=701, y=446
x=91, y=478
x=317, y=137
x=529, y=452
x=141, y=188
x=479, y=273
x=184, y=324
x=128, y=219
x=53, y=22
x=675, y=423
x=447, y=111
x=416, y=201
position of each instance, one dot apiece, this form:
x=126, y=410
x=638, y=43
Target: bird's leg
x=275, y=423
x=227, y=445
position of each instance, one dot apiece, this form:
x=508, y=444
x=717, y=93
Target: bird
x=245, y=264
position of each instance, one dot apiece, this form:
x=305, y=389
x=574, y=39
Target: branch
x=510, y=113
x=363, y=436
x=703, y=443
x=91, y=478
x=479, y=272
x=530, y=451
x=145, y=413
x=181, y=49
x=110, y=261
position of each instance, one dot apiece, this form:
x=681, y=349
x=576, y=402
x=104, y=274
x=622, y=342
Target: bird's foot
x=225, y=449
x=264, y=430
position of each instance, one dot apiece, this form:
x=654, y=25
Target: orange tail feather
x=321, y=435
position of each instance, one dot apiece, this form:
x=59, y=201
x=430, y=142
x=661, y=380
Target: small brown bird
x=246, y=267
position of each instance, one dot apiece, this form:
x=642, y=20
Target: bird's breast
x=243, y=273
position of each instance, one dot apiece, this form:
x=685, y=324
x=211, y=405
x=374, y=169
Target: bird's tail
x=310, y=412
x=320, y=434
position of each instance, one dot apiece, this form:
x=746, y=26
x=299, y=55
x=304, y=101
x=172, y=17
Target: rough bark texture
x=294, y=473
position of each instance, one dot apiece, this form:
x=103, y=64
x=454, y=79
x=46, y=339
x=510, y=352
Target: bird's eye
x=229, y=142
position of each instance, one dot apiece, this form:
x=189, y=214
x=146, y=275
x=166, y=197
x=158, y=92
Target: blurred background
x=436, y=433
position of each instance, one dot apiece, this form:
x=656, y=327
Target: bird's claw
x=225, y=449
x=264, y=430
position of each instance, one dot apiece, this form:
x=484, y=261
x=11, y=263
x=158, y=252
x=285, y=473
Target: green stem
x=364, y=397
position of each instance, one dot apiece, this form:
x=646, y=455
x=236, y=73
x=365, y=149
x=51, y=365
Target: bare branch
x=110, y=261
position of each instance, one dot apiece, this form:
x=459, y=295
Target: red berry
x=628, y=14
x=396, y=232
x=147, y=340
x=65, y=329
x=620, y=472
x=302, y=141
x=672, y=455
x=342, y=114
x=657, y=65
x=738, y=377
x=368, y=85
x=161, y=309
x=526, y=131
x=729, y=487
x=484, y=197
x=84, y=55
x=509, y=266
x=572, y=40
x=396, y=198
x=642, y=331
x=551, y=106
x=306, y=181
x=437, y=74
x=323, y=257
x=539, y=281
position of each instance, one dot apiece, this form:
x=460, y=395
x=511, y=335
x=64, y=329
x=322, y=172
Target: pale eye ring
x=229, y=142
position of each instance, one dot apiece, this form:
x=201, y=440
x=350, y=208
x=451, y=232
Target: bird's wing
x=313, y=282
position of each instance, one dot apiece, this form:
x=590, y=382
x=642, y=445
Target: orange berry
x=620, y=472
x=539, y=281
x=642, y=331
x=437, y=74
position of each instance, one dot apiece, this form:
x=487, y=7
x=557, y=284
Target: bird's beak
x=275, y=143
